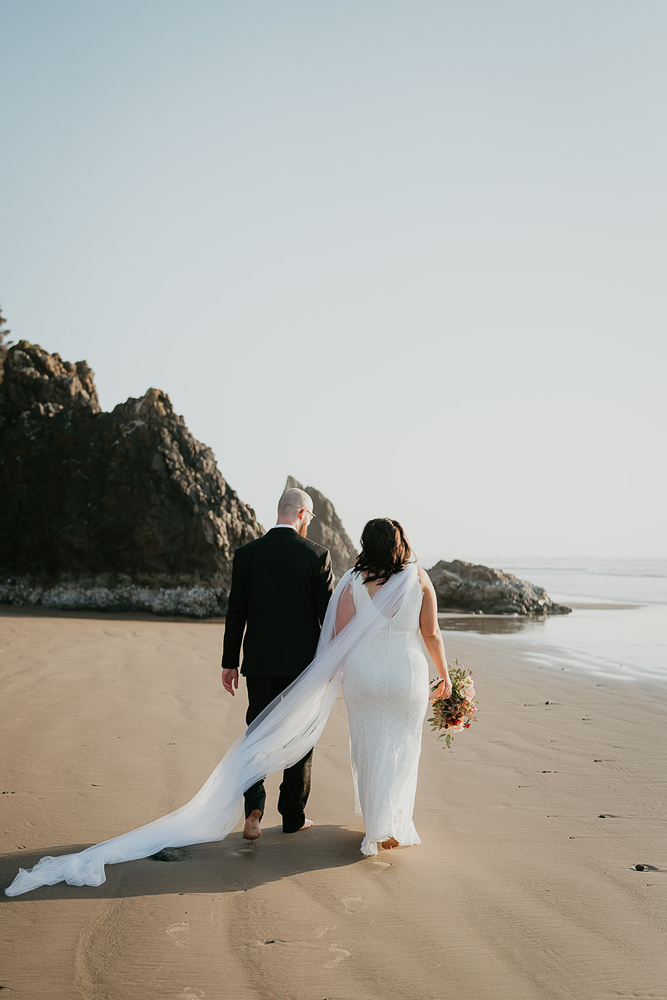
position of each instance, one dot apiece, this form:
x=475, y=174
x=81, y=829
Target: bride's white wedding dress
x=386, y=689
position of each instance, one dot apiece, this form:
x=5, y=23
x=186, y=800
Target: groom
x=281, y=585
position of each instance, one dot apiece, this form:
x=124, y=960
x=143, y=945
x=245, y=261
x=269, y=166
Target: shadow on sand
x=233, y=865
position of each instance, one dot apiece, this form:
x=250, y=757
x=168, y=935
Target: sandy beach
x=524, y=886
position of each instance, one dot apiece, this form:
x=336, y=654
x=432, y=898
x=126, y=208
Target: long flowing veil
x=279, y=737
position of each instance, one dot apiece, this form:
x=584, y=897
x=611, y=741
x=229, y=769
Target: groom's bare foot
x=389, y=843
x=251, y=830
x=307, y=823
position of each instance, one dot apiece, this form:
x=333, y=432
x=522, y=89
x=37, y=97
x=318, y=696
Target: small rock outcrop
x=465, y=586
x=327, y=529
x=115, y=511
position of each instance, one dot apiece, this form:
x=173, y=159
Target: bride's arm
x=345, y=611
x=430, y=630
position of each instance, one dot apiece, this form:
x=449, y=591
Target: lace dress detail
x=386, y=689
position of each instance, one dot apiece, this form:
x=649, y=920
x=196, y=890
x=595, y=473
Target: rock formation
x=466, y=587
x=116, y=511
x=327, y=529
x=126, y=511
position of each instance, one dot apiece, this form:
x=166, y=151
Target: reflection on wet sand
x=490, y=624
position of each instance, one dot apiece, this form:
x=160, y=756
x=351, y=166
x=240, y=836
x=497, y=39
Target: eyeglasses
x=312, y=516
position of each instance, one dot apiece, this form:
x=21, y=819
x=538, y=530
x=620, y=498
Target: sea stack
x=113, y=511
x=327, y=529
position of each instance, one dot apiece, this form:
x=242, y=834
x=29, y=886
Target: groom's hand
x=230, y=680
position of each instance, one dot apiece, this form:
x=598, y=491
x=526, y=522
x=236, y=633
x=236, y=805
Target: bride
x=386, y=686
x=373, y=632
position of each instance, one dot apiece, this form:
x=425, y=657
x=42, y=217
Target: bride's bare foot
x=389, y=843
x=251, y=830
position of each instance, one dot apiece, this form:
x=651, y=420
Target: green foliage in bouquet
x=458, y=711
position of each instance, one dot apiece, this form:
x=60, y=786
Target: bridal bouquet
x=458, y=711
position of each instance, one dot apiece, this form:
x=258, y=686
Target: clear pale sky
x=410, y=252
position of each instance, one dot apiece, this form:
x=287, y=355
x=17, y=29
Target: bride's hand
x=443, y=690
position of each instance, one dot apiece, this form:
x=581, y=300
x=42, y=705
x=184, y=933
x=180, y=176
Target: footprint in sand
x=323, y=930
x=177, y=932
x=340, y=953
x=353, y=904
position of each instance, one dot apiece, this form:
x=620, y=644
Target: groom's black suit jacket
x=281, y=585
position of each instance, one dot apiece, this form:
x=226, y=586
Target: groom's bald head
x=291, y=503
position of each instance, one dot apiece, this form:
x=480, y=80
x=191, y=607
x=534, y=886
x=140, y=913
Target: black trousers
x=295, y=786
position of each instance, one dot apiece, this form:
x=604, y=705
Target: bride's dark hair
x=385, y=550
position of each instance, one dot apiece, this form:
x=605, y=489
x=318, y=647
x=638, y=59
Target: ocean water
x=642, y=581
x=617, y=629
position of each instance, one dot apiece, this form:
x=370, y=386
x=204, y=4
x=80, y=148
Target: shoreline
x=616, y=641
x=523, y=886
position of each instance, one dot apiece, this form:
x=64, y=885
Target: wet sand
x=524, y=886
